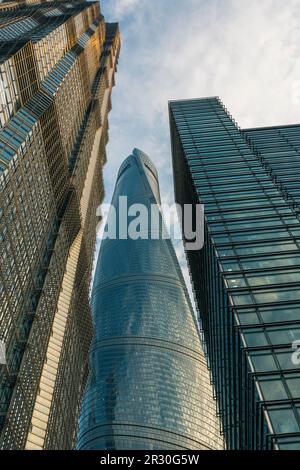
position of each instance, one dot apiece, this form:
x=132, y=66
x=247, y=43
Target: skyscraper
x=57, y=64
x=247, y=276
x=149, y=386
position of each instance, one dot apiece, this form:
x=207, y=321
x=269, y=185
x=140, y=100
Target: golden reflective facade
x=57, y=65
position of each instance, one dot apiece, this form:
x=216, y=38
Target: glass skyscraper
x=247, y=276
x=149, y=386
x=57, y=64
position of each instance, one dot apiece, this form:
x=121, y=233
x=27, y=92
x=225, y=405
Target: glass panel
x=285, y=359
x=255, y=337
x=283, y=420
x=263, y=361
x=293, y=385
x=272, y=389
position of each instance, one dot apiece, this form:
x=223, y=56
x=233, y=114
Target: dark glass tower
x=247, y=276
x=149, y=386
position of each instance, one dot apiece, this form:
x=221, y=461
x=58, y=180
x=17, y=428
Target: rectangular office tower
x=246, y=278
x=57, y=64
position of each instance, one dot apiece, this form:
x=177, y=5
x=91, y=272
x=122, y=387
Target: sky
x=247, y=53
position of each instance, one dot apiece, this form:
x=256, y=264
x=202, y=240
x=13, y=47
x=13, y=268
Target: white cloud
x=248, y=53
x=245, y=52
x=122, y=8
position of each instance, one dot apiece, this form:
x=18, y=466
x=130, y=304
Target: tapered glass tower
x=57, y=64
x=247, y=276
x=149, y=386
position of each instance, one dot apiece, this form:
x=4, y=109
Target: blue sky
x=246, y=52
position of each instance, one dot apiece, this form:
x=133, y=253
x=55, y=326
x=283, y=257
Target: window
x=272, y=388
x=283, y=420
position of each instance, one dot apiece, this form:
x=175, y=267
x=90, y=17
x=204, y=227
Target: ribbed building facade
x=149, y=387
x=247, y=276
x=57, y=64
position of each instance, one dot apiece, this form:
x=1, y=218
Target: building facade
x=149, y=386
x=247, y=276
x=57, y=65
x=279, y=148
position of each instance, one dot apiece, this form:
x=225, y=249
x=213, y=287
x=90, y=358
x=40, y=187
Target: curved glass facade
x=149, y=386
